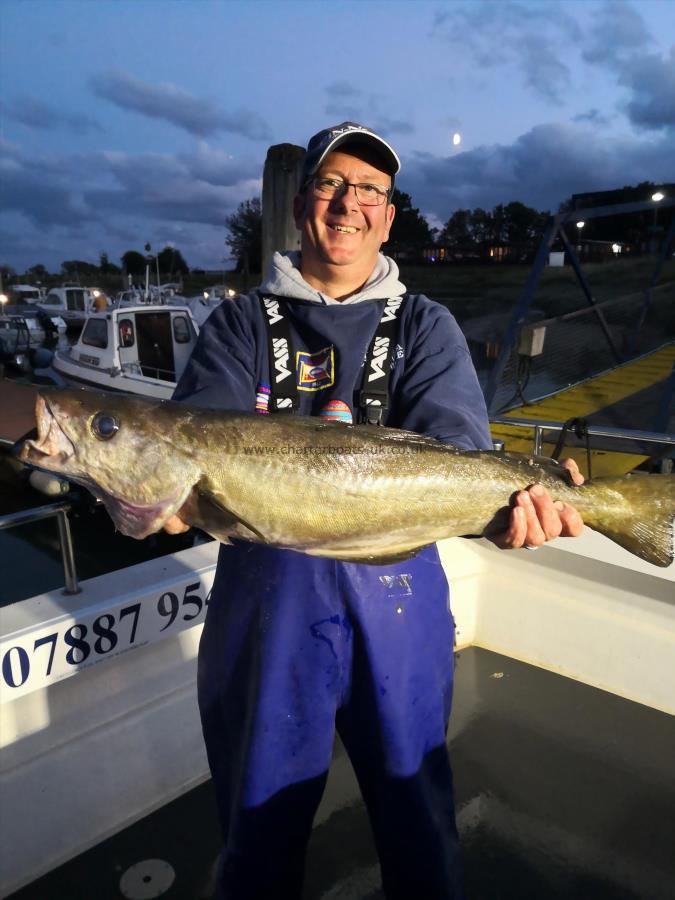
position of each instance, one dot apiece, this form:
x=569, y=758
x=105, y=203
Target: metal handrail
x=603, y=431
x=60, y=512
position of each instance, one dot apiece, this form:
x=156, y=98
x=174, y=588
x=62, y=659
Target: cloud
x=593, y=116
x=541, y=168
x=75, y=206
x=217, y=167
x=619, y=42
x=533, y=37
x=618, y=31
x=35, y=113
x=544, y=73
x=43, y=203
x=651, y=82
x=343, y=89
x=347, y=103
x=174, y=105
x=169, y=188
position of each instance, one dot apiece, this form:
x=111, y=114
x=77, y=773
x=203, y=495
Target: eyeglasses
x=366, y=194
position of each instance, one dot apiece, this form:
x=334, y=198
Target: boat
x=101, y=748
x=25, y=293
x=135, y=349
x=151, y=296
x=26, y=332
x=72, y=302
x=562, y=733
x=36, y=321
x=14, y=342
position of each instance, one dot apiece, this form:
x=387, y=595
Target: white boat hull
x=88, y=748
x=79, y=374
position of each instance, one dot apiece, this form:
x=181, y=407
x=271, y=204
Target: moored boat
x=72, y=302
x=136, y=349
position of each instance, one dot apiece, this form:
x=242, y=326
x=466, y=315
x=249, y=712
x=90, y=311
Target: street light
x=657, y=197
x=580, y=225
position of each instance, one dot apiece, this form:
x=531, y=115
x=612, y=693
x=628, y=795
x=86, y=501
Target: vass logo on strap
x=390, y=309
x=377, y=363
x=272, y=310
x=281, y=354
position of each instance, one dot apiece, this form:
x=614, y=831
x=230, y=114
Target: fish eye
x=104, y=426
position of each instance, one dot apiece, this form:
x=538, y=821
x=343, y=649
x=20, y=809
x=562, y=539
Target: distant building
x=489, y=252
x=619, y=195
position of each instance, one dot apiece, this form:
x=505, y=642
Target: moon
x=456, y=139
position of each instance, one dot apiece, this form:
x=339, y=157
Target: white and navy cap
x=347, y=132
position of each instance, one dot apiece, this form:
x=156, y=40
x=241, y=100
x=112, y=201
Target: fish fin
x=642, y=522
x=535, y=465
x=216, y=499
x=352, y=557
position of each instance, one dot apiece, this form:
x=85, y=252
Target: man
x=296, y=646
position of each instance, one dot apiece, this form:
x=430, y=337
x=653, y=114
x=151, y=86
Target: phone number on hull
x=32, y=659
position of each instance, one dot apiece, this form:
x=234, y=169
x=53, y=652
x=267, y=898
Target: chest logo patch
x=316, y=371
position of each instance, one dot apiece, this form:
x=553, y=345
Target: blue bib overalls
x=296, y=647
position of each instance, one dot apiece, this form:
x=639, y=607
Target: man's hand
x=536, y=518
x=175, y=525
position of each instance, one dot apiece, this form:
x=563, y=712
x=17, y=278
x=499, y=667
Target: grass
x=472, y=290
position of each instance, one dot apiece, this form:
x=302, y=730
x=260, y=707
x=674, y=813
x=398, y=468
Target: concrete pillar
x=281, y=179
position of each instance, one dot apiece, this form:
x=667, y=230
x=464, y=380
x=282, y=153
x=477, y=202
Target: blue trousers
x=294, y=647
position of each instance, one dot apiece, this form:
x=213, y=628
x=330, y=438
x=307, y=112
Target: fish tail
x=636, y=511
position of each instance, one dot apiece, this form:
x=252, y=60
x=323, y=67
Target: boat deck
x=564, y=792
x=635, y=395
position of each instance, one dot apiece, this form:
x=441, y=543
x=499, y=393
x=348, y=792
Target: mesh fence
x=576, y=346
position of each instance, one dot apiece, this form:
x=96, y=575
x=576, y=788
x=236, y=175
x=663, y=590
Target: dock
x=17, y=409
x=637, y=394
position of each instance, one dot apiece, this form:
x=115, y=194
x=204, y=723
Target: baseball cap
x=331, y=138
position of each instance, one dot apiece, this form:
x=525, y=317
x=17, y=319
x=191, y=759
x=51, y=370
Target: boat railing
x=607, y=432
x=158, y=374
x=59, y=511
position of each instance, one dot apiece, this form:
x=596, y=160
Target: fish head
x=118, y=447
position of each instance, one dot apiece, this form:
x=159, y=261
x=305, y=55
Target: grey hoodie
x=284, y=280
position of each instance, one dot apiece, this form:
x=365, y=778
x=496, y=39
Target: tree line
x=476, y=233
x=411, y=233
x=467, y=234
x=170, y=262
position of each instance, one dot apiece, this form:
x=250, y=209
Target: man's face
x=337, y=231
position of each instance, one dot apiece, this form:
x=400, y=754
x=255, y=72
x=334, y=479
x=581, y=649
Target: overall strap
x=283, y=388
x=374, y=393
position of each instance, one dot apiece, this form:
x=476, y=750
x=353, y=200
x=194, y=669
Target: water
x=34, y=549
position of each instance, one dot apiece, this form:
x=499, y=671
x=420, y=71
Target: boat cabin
x=24, y=293
x=71, y=302
x=135, y=349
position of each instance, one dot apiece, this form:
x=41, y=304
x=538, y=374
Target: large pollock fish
x=356, y=493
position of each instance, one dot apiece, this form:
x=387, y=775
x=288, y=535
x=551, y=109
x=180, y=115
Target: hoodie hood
x=284, y=280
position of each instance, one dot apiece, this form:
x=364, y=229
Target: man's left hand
x=537, y=518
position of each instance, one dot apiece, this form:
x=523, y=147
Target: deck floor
x=634, y=395
x=563, y=791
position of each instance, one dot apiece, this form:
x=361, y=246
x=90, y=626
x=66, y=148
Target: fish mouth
x=52, y=448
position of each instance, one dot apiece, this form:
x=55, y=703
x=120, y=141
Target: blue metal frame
x=525, y=300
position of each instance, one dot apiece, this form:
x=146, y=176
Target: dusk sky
x=149, y=120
